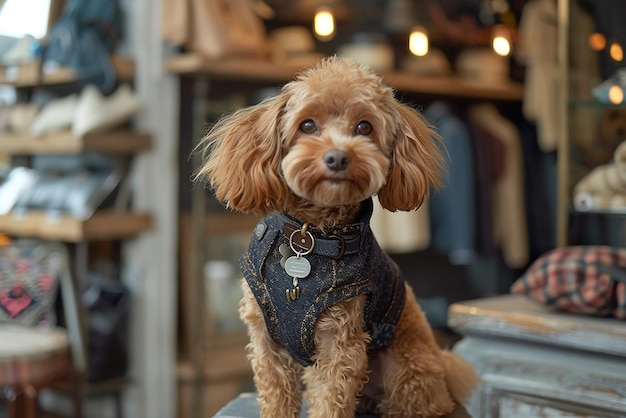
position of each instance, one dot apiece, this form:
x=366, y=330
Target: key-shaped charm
x=296, y=266
x=293, y=294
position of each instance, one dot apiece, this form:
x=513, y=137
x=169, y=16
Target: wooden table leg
x=78, y=382
x=22, y=402
x=12, y=402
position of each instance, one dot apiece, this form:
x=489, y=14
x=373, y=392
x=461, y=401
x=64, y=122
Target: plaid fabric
x=580, y=279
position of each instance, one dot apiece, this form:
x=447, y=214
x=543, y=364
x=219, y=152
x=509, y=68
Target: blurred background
x=103, y=101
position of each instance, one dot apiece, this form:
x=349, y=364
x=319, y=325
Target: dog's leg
x=340, y=368
x=275, y=371
x=414, y=382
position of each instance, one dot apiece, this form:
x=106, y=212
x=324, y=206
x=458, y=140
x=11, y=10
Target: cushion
x=30, y=273
x=580, y=279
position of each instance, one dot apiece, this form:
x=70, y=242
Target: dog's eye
x=308, y=126
x=363, y=128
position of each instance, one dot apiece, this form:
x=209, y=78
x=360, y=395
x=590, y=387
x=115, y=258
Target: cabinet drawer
x=521, y=389
x=511, y=405
x=540, y=381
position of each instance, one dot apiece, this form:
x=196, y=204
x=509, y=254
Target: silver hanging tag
x=296, y=266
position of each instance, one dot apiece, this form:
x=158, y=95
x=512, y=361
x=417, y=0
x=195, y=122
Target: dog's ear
x=416, y=162
x=242, y=158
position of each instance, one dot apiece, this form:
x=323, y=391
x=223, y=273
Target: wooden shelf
x=266, y=71
x=227, y=223
x=104, y=224
x=119, y=142
x=454, y=86
x=27, y=74
x=232, y=69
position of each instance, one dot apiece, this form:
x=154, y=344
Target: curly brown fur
x=281, y=155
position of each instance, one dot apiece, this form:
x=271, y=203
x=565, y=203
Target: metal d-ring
x=301, y=253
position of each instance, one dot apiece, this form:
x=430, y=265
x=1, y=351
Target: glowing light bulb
x=501, y=40
x=616, y=52
x=324, y=24
x=597, y=41
x=616, y=94
x=418, y=41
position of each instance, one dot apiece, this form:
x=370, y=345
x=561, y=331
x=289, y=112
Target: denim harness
x=346, y=261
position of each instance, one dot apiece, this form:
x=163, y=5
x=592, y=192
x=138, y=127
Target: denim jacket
x=346, y=261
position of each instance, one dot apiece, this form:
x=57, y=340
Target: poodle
x=327, y=311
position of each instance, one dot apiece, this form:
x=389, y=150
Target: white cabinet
x=535, y=362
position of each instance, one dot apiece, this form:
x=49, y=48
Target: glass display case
x=591, y=123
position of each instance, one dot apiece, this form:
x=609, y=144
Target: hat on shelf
x=22, y=117
x=96, y=113
x=483, y=65
x=431, y=64
x=294, y=46
x=86, y=113
x=23, y=50
x=55, y=116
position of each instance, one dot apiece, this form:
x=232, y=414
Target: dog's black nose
x=336, y=160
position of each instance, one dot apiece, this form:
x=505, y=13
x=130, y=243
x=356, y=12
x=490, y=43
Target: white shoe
x=96, y=113
x=21, y=51
x=21, y=117
x=18, y=180
x=55, y=116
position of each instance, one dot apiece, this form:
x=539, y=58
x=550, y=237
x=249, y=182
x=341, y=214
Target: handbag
x=215, y=28
x=175, y=21
x=587, y=280
x=108, y=303
x=83, y=38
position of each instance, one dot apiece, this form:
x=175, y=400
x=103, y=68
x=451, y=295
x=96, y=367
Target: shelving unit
x=267, y=72
x=27, y=74
x=118, y=142
x=104, y=224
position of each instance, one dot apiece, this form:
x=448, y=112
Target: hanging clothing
x=452, y=208
x=488, y=153
x=537, y=48
x=509, y=214
x=401, y=232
